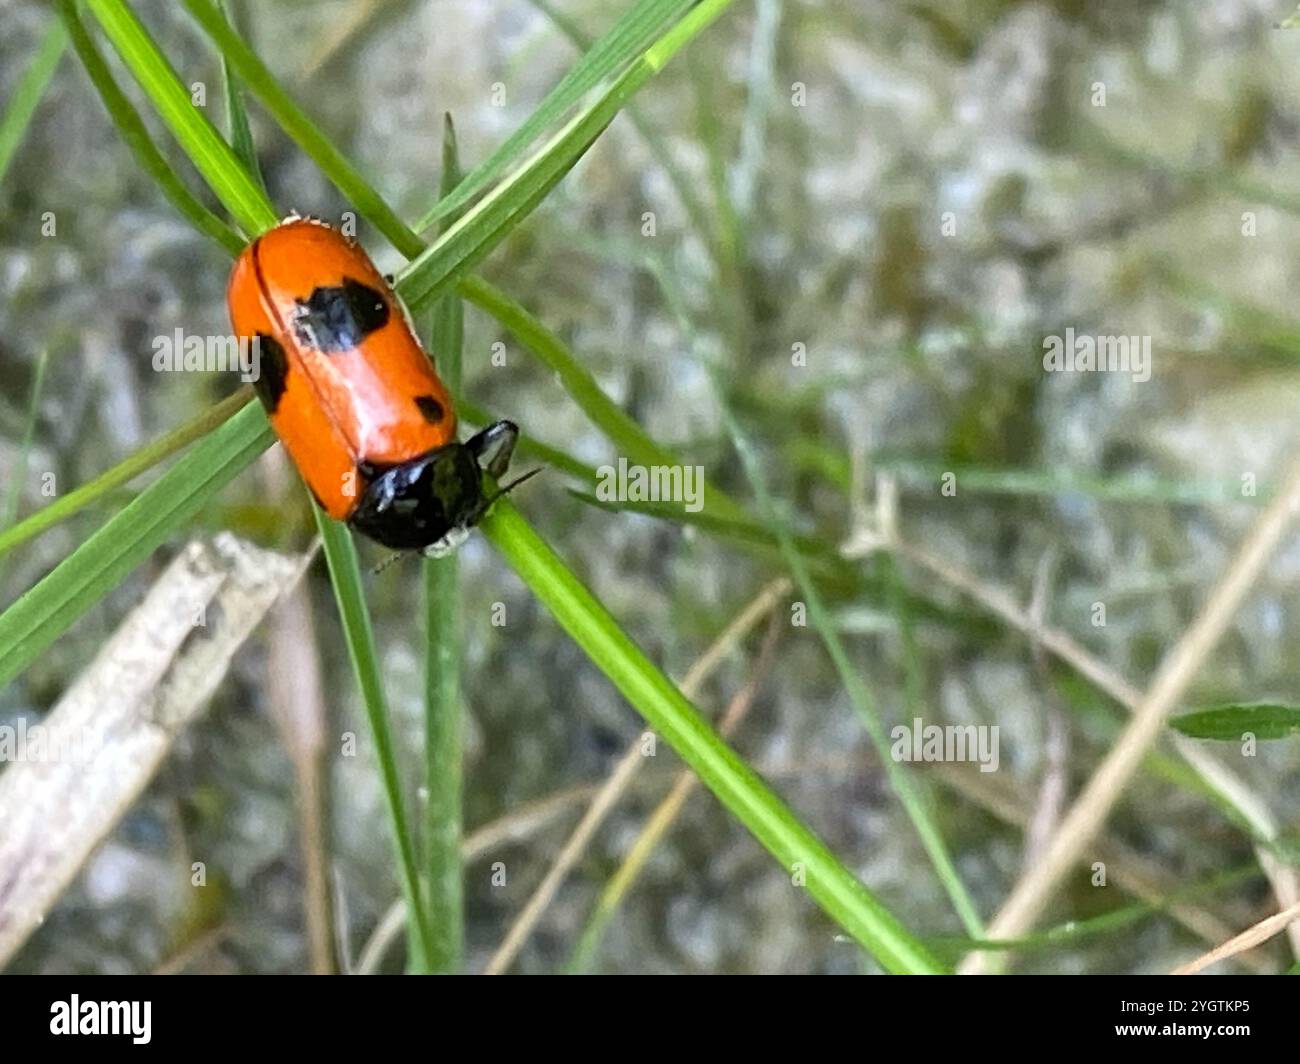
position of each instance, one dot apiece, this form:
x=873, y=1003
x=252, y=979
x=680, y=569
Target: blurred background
x=917, y=194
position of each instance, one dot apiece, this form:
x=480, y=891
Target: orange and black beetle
x=353, y=396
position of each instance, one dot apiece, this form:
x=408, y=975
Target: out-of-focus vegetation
x=862, y=219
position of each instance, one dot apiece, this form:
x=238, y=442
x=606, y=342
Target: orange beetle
x=353, y=396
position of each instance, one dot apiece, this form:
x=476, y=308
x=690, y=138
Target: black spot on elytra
x=272, y=371
x=430, y=408
x=339, y=317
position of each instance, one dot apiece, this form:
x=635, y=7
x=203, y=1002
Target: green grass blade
x=240, y=132
x=628, y=37
x=1263, y=720
x=1076, y=932
x=859, y=694
x=628, y=437
x=345, y=575
x=206, y=148
x=735, y=784
x=124, y=472
x=246, y=201
x=677, y=177
x=443, y=724
x=125, y=540
x=262, y=83
x=136, y=137
x=743, y=533
x=576, y=379
x=435, y=269
x=27, y=96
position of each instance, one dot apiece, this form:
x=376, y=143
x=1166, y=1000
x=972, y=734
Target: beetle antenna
x=487, y=503
x=511, y=486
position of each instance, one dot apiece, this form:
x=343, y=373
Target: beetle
x=353, y=396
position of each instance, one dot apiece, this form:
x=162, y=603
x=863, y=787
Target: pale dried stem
x=624, y=773
x=1251, y=937
x=1035, y=888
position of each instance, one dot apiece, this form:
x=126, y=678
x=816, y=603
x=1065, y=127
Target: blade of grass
x=443, y=725
x=834, y=573
x=629, y=36
x=1263, y=720
x=744, y=532
x=1076, y=931
x=838, y=892
x=660, y=822
x=345, y=575
x=124, y=472
x=446, y=261
x=204, y=146
x=735, y=784
x=89, y=572
x=439, y=265
x=729, y=232
x=136, y=137
x=262, y=83
x=576, y=379
x=761, y=80
x=430, y=272
x=164, y=83
x=29, y=92
x=677, y=177
x=627, y=436
x=899, y=779
x=247, y=202
x=241, y=134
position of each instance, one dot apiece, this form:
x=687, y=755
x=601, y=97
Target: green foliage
x=129, y=536
x=1264, y=720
